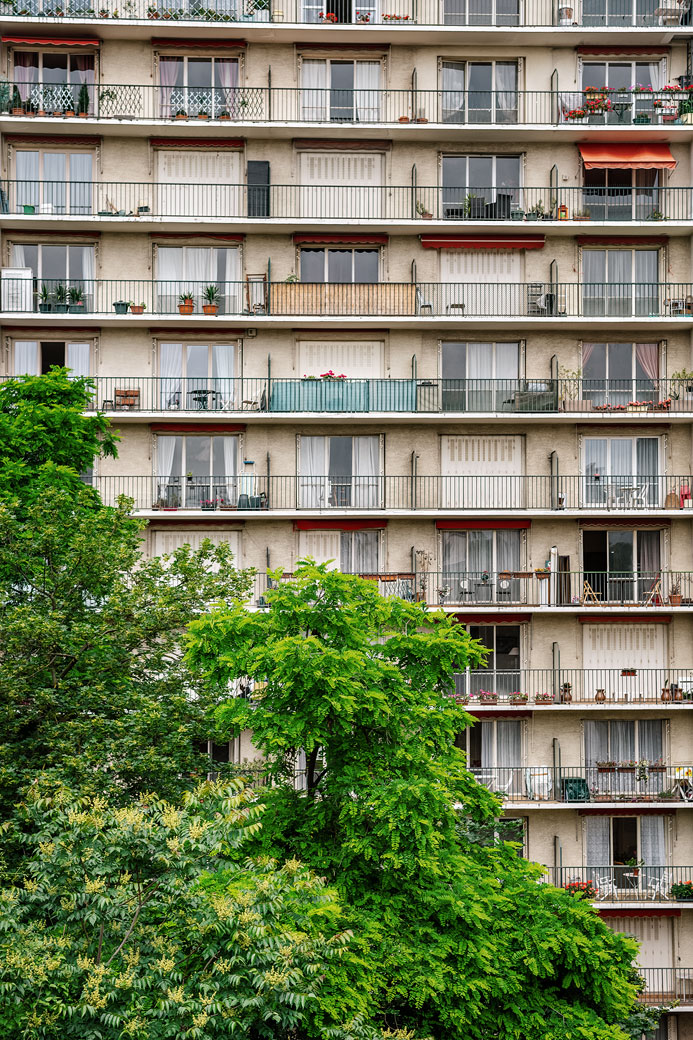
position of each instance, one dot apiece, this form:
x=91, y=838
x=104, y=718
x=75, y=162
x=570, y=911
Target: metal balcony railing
x=297, y=395
x=587, y=784
x=367, y=493
x=376, y=106
x=662, y=985
x=534, y=687
x=624, y=883
x=337, y=299
x=397, y=14
x=147, y=200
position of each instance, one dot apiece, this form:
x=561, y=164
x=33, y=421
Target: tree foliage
x=147, y=922
x=466, y=943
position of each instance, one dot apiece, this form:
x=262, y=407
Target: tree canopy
x=466, y=942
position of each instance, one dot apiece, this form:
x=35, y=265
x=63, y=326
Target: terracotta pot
x=600, y=696
x=666, y=694
x=186, y=308
x=136, y=308
x=675, y=599
x=210, y=308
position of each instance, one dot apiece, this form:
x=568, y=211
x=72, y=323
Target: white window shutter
x=168, y=541
x=606, y=649
x=480, y=265
x=340, y=184
x=323, y=546
x=467, y=462
x=359, y=359
x=655, y=935
x=196, y=182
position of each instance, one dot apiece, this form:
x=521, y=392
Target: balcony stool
x=107, y=404
x=454, y=307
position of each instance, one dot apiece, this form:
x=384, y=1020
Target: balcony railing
x=536, y=687
x=341, y=202
x=623, y=883
x=292, y=395
x=365, y=493
x=265, y=104
x=106, y=297
x=397, y=14
x=588, y=784
x=667, y=984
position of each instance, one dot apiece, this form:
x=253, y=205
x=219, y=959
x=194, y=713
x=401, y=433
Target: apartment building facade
x=405, y=285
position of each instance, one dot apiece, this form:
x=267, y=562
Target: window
x=480, y=187
x=503, y=674
x=36, y=358
x=55, y=81
x=200, y=86
x=466, y=275
x=481, y=12
x=168, y=541
x=494, y=754
x=625, y=74
x=341, y=11
x=479, y=377
x=58, y=267
x=622, y=566
x=195, y=471
x=197, y=376
x=182, y=269
x=341, y=184
x=468, y=462
x=340, y=265
x=617, y=373
x=195, y=182
x=625, y=840
x=354, y=552
x=53, y=181
x=621, y=194
x=473, y=560
x=619, y=12
x=227, y=752
x=620, y=282
x=340, y=91
x=479, y=92
x=609, y=651
x=339, y=472
x=621, y=471
x=358, y=359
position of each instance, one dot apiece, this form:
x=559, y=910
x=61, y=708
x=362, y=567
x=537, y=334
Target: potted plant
x=60, y=297
x=606, y=767
x=186, y=303
x=566, y=693
x=536, y=212
x=666, y=692
x=121, y=306
x=581, y=214
x=17, y=106
x=209, y=503
x=675, y=593
x=202, y=114
x=83, y=101
x=517, y=698
x=137, y=308
x=181, y=114
x=682, y=891
x=422, y=212
x=600, y=696
x=44, y=300
x=543, y=698
x=210, y=294
x=76, y=298
x=224, y=115
x=488, y=697
x=686, y=109
x=626, y=767
x=582, y=889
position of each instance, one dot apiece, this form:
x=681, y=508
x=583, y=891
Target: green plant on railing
x=570, y=383
x=17, y=105
x=682, y=890
x=60, y=293
x=686, y=106
x=656, y=214
x=291, y=279
x=537, y=211
x=683, y=379
x=44, y=294
x=186, y=297
x=75, y=296
x=211, y=293
x=83, y=100
x=423, y=211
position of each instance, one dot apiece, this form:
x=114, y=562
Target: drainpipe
x=553, y=580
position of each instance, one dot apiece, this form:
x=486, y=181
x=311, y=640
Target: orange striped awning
x=627, y=157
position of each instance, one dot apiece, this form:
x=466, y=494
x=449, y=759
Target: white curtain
x=366, y=91
x=619, y=287
x=222, y=373
x=168, y=76
x=18, y=256
x=26, y=358
x=88, y=276
x=488, y=758
x=229, y=486
x=28, y=187
x=655, y=68
x=652, y=847
x=454, y=553
x=506, y=92
x=595, y=469
x=314, y=93
x=622, y=461
x=199, y=269
x=78, y=358
x=622, y=741
x=80, y=182
x=313, y=472
x=596, y=742
x=480, y=552
x=165, y=453
x=509, y=738
x=170, y=271
x=598, y=841
x=366, y=451
x=650, y=740
x=594, y=281
x=170, y=374
x=227, y=76
x=508, y=550
x=229, y=273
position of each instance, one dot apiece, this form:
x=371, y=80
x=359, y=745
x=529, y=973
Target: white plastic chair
x=659, y=886
x=538, y=782
x=607, y=887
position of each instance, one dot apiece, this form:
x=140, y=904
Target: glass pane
x=53, y=262
x=197, y=450
x=454, y=186
x=339, y=265
x=366, y=265
x=54, y=68
x=453, y=92
x=480, y=85
x=312, y=265
x=199, y=72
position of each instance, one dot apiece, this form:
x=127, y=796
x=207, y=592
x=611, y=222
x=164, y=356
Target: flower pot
x=181, y=116
x=76, y=308
x=404, y=119
x=17, y=111
x=225, y=117
x=121, y=307
x=136, y=308
x=61, y=308
x=491, y=698
x=210, y=308
x=44, y=308
x=186, y=308
x=675, y=599
x=202, y=115
x=517, y=700
x=600, y=696
x=29, y=209
x=666, y=694
x=69, y=113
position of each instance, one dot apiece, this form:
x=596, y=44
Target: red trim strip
x=196, y=234
x=39, y=139
x=482, y=525
x=640, y=522
x=337, y=144
x=27, y=233
x=640, y=913
x=622, y=240
x=610, y=48
x=636, y=810
x=371, y=240
x=54, y=328
x=342, y=47
x=498, y=714
x=482, y=241
x=218, y=143
x=219, y=427
x=164, y=330
x=339, y=525
x=55, y=41
x=624, y=619
x=182, y=524
x=175, y=42
x=492, y=619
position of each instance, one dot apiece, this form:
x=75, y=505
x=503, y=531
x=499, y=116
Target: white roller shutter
x=466, y=463
x=360, y=359
x=655, y=935
x=341, y=184
x=323, y=546
x=197, y=183
x=606, y=649
x=169, y=541
x=466, y=274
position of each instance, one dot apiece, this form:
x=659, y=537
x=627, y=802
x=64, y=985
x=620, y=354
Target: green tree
x=93, y=683
x=148, y=922
x=466, y=943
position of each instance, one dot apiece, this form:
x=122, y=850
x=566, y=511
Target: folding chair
x=659, y=886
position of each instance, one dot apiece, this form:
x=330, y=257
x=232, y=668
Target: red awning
x=217, y=427
x=610, y=48
x=482, y=241
x=627, y=156
x=202, y=42
x=338, y=525
x=216, y=143
x=624, y=619
x=492, y=619
x=482, y=525
x=344, y=240
x=55, y=41
x=625, y=912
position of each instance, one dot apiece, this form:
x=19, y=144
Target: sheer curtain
x=81, y=73
x=619, y=282
x=165, y=454
x=622, y=750
x=80, y=182
x=170, y=268
x=648, y=562
x=647, y=467
x=479, y=370
x=199, y=268
x=28, y=187
x=78, y=358
x=168, y=76
x=25, y=73
x=229, y=486
x=18, y=256
x=652, y=843
x=597, y=841
x=509, y=753
x=55, y=182
x=650, y=740
x=170, y=374
x=596, y=742
x=595, y=469
x=655, y=70
x=228, y=263
x=365, y=460
x=26, y=358
x=365, y=551
x=313, y=472
x=621, y=463
x=366, y=91
x=506, y=92
x=593, y=281
x=222, y=374
x=88, y=273
x=225, y=98
x=454, y=554
x=488, y=757
x=314, y=93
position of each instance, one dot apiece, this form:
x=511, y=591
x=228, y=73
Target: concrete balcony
x=567, y=689
x=606, y=786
